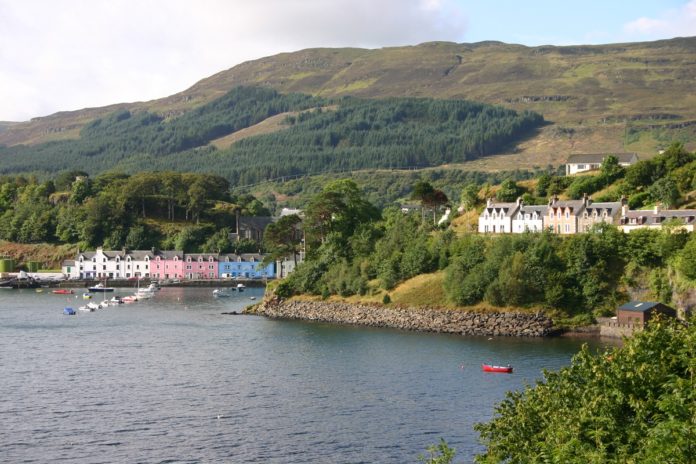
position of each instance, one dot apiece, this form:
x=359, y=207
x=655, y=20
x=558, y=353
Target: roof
x=508, y=208
x=170, y=254
x=69, y=262
x=205, y=256
x=574, y=205
x=139, y=255
x=650, y=217
x=640, y=306
x=289, y=211
x=254, y=222
x=599, y=157
x=610, y=206
x=532, y=208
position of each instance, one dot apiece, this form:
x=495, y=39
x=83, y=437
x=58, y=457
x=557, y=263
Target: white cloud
x=670, y=23
x=73, y=53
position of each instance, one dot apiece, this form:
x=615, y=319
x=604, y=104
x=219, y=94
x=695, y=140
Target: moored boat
x=69, y=311
x=223, y=292
x=62, y=291
x=100, y=288
x=500, y=369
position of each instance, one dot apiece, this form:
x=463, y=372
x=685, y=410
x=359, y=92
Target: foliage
x=441, y=453
x=509, y=191
x=358, y=134
x=628, y=404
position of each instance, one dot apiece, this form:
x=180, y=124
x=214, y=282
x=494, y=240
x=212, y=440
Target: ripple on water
x=171, y=380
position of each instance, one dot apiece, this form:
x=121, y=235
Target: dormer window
x=200, y=259
x=485, y=216
x=551, y=214
x=81, y=259
x=210, y=259
x=94, y=260
x=188, y=259
x=176, y=258
x=103, y=260
x=594, y=214
x=604, y=214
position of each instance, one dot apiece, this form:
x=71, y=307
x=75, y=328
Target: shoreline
x=504, y=324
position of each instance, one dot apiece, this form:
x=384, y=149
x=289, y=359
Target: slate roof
x=508, y=208
x=540, y=209
x=68, y=262
x=649, y=217
x=597, y=158
x=228, y=257
x=611, y=207
x=170, y=254
x=640, y=306
x=574, y=205
x=205, y=256
x=139, y=255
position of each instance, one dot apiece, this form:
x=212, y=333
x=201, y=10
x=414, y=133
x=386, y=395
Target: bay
x=175, y=380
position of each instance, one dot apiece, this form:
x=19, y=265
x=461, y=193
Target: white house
x=137, y=263
x=655, y=218
x=99, y=264
x=529, y=218
x=591, y=161
x=497, y=217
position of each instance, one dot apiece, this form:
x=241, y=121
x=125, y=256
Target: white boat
x=89, y=307
x=144, y=294
x=115, y=301
x=100, y=287
x=241, y=287
x=223, y=292
x=129, y=299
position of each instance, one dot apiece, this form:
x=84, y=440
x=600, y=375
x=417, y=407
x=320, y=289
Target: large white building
x=496, y=218
x=529, y=218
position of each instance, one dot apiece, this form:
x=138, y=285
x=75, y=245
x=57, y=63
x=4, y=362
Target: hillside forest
x=316, y=136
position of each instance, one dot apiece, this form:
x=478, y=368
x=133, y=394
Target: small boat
x=86, y=296
x=241, y=287
x=69, y=311
x=129, y=299
x=115, y=301
x=100, y=288
x=501, y=369
x=223, y=293
x=89, y=307
x=39, y=290
x=62, y=291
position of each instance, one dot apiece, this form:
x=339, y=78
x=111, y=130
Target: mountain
x=618, y=97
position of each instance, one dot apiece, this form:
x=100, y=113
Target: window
x=188, y=267
x=567, y=215
x=502, y=228
x=211, y=267
x=567, y=228
x=551, y=214
x=581, y=166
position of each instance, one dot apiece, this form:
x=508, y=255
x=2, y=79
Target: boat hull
x=496, y=369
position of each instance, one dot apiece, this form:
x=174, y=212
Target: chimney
x=656, y=210
x=488, y=202
x=519, y=201
x=585, y=199
x=624, y=209
x=623, y=200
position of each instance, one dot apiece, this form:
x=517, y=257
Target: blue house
x=245, y=266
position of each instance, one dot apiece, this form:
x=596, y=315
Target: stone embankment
x=419, y=319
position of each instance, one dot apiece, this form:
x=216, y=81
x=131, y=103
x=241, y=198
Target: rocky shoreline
x=416, y=319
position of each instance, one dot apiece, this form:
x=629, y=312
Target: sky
x=71, y=54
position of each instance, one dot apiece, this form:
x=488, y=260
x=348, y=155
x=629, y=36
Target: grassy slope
x=598, y=88
x=51, y=256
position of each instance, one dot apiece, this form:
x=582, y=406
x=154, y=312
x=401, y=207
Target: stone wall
x=428, y=320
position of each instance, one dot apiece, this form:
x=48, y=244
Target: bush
x=386, y=299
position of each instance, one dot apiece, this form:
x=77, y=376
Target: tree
x=636, y=403
x=665, y=191
x=686, y=261
x=430, y=197
x=283, y=237
x=469, y=196
x=509, y=191
x=611, y=169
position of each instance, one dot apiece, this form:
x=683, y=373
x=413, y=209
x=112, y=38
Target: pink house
x=167, y=265
x=201, y=266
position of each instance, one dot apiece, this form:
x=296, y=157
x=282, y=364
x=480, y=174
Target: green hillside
x=619, y=97
x=354, y=134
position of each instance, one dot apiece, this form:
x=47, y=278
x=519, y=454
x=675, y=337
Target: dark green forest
x=336, y=135
x=167, y=210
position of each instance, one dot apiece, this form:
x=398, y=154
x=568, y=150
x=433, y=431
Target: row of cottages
x=575, y=216
x=101, y=264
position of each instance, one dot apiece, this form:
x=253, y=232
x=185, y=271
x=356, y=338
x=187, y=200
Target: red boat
x=502, y=369
x=63, y=291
